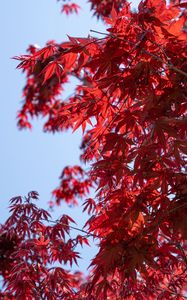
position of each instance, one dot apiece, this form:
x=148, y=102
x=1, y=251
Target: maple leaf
x=70, y=8
x=53, y=68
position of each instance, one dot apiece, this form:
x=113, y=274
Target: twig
x=170, y=66
x=73, y=227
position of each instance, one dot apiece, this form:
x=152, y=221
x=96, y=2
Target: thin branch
x=73, y=227
x=170, y=66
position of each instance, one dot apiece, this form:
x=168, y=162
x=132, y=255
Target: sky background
x=33, y=160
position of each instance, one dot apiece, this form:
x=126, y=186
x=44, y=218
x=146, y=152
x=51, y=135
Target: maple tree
x=131, y=105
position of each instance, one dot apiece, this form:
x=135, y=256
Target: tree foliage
x=131, y=105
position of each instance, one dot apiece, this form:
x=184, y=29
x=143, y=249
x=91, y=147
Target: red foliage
x=70, y=8
x=73, y=184
x=102, y=8
x=131, y=105
x=29, y=246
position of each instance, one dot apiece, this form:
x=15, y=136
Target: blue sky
x=34, y=160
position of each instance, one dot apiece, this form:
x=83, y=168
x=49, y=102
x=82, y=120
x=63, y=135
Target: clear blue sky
x=34, y=160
